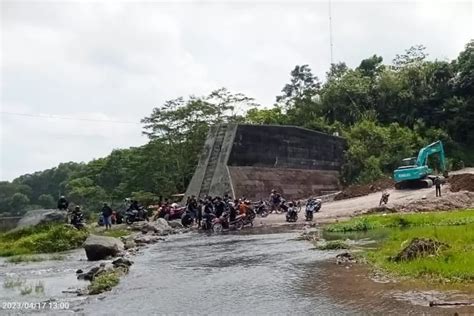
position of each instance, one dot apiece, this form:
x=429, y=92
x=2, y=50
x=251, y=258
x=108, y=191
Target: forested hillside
x=386, y=111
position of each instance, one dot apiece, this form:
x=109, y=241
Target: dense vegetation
x=385, y=111
x=41, y=239
x=455, y=229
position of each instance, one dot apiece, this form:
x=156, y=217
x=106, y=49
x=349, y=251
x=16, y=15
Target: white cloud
x=117, y=60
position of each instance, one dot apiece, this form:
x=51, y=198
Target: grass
x=104, y=282
x=369, y=222
x=41, y=239
x=34, y=258
x=10, y=283
x=452, y=264
x=112, y=232
x=332, y=245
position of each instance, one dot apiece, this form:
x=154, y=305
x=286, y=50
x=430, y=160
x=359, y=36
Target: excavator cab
x=415, y=172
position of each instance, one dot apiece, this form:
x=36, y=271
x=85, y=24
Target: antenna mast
x=330, y=32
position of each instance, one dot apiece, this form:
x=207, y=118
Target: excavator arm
x=434, y=148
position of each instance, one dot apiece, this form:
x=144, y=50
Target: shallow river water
x=257, y=274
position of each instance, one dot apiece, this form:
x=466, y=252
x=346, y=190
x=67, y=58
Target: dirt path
x=349, y=207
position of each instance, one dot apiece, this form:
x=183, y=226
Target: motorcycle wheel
x=217, y=227
x=239, y=225
x=129, y=221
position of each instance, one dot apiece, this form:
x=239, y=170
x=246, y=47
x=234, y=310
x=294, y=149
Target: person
x=192, y=207
x=275, y=200
x=437, y=183
x=233, y=210
x=77, y=217
x=63, y=204
x=107, y=214
x=219, y=206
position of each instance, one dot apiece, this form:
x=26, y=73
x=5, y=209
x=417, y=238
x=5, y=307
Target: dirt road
x=333, y=210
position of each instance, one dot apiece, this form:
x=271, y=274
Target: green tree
x=46, y=201
x=18, y=203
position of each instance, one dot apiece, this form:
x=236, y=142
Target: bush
x=43, y=239
x=104, y=282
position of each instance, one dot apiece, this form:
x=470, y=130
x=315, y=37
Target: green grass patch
x=34, y=258
x=452, y=263
x=332, y=245
x=43, y=239
x=104, y=282
x=369, y=222
x=455, y=263
x=112, y=232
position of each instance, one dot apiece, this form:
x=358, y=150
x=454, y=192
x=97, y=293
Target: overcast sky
x=113, y=60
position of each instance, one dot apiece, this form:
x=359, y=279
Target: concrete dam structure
x=251, y=160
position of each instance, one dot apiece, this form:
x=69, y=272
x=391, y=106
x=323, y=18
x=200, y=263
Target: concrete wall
x=256, y=183
x=286, y=147
x=250, y=160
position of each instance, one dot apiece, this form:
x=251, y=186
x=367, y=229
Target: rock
x=162, y=227
x=42, y=216
x=101, y=247
x=147, y=239
x=130, y=244
x=79, y=271
x=122, y=262
x=91, y=274
x=345, y=257
x=176, y=224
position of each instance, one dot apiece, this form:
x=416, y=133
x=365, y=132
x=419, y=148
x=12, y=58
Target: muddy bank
x=363, y=288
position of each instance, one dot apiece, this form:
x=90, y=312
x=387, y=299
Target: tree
x=415, y=55
x=46, y=201
x=18, y=202
x=302, y=88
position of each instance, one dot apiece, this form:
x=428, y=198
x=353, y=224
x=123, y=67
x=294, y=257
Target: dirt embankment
x=462, y=182
x=361, y=190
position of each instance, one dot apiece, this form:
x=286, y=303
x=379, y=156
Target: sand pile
x=461, y=182
x=361, y=190
x=458, y=200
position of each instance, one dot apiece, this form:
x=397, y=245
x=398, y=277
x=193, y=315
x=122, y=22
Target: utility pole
x=330, y=32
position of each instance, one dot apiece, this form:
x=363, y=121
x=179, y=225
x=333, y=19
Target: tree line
x=386, y=112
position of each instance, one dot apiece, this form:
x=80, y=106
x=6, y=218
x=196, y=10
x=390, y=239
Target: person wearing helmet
x=63, y=204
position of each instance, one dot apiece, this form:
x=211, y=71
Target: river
x=259, y=274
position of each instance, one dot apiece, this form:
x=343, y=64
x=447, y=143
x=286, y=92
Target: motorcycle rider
x=107, y=214
x=208, y=212
x=275, y=200
x=291, y=213
x=77, y=219
x=63, y=204
x=219, y=206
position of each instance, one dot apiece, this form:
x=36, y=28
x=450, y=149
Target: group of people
x=204, y=210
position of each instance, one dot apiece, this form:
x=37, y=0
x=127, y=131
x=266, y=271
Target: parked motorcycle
x=292, y=213
x=312, y=206
x=132, y=216
x=262, y=208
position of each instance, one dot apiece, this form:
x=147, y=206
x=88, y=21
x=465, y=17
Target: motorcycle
x=221, y=223
x=132, y=216
x=384, y=198
x=312, y=206
x=291, y=214
x=262, y=209
x=187, y=218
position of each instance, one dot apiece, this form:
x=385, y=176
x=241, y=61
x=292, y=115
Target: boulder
x=162, y=227
x=176, y=224
x=147, y=239
x=101, y=247
x=129, y=244
x=42, y=216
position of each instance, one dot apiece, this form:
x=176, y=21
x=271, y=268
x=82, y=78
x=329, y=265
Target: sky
x=83, y=73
